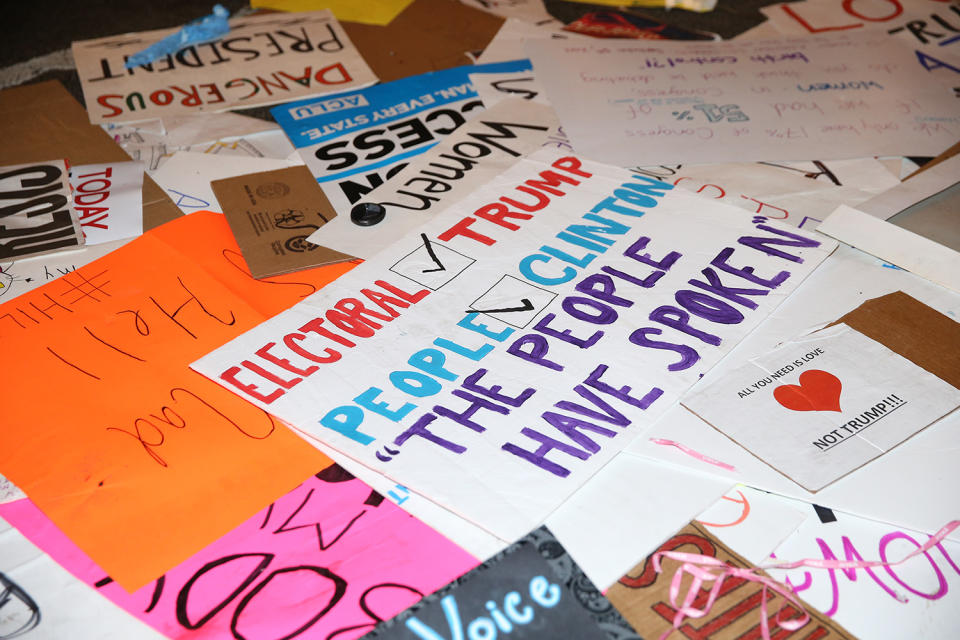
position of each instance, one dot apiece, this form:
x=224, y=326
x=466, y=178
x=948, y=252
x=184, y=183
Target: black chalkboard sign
x=532, y=589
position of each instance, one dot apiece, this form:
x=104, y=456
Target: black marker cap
x=367, y=214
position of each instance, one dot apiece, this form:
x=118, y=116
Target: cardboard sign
x=428, y=35
x=271, y=214
x=912, y=329
x=41, y=121
x=332, y=555
x=531, y=590
x=36, y=212
x=522, y=336
x=480, y=149
x=187, y=175
x=823, y=405
x=355, y=141
x=265, y=59
x=108, y=200
x=643, y=597
x=105, y=427
x=831, y=96
x=379, y=12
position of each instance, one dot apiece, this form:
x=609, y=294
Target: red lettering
x=161, y=97
x=321, y=75
x=94, y=223
x=462, y=228
x=648, y=574
x=230, y=376
x=212, y=90
x=497, y=214
x=86, y=212
x=806, y=25
x=897, y=10
x=102, y=101
x=190, y=98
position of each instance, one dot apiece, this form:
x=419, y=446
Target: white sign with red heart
x=819, y=407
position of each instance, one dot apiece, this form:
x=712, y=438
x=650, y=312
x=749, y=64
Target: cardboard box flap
x=42, y=121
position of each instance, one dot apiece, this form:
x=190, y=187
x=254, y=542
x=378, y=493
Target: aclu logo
x=328, y=106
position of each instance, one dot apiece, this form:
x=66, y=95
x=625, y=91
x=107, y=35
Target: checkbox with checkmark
x=432, y=265
x=513, y=301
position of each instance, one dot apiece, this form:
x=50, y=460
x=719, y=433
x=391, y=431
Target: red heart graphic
x=817, y=391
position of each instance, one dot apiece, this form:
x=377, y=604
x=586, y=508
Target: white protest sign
x=228, y=133
x=108, y=200
x=37, y=215
x=608, y=540
x=922, y=256
x=831, y=96
x=265, y=59
x=920, y=191
x=510, y=342
x=923, y=25
x=819, y=407
x=916, y=598
x=25, y=274
x=753, y=522
x=477, y=151
x=492, y=88
x=355, y=141
x=886, y=490
x=767, y=190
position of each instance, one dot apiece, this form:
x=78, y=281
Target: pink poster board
x=328, y=560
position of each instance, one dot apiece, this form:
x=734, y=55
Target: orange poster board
x=138, y=459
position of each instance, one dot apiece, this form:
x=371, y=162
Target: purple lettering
x=708, y=307
x=566, y=335
x=537, y=353
x=688, y=355
x=680, y=320
x=577, y=306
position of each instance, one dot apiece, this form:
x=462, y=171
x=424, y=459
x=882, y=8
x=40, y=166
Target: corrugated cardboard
x=917, y=332
x=271, y=213
x=427, y=36
x=43, y=121
x=643, y=597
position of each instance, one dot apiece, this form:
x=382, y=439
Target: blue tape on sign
x=205, y=29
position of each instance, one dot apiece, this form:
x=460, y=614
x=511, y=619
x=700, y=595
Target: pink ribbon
x=707, y=568
x=694, y=454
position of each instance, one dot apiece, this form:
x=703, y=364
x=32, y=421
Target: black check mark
x=525, y=306
x=433, y=256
